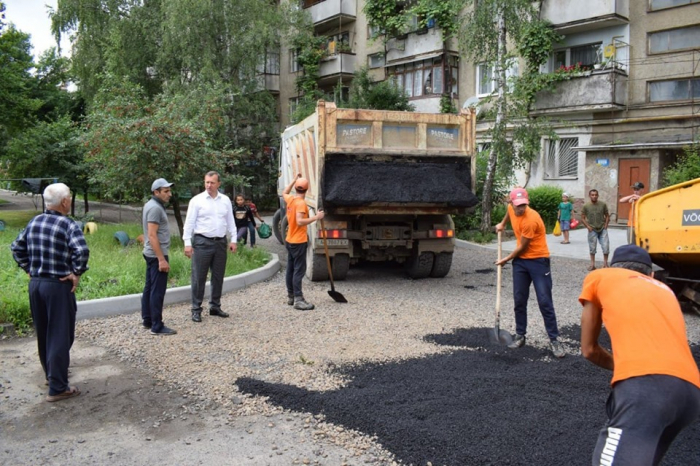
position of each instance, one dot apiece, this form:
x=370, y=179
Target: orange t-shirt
x=296, y=234
x=530, y=225
x=645, y=324
x=630, y=220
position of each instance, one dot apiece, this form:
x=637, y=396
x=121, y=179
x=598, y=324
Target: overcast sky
x=32, y=17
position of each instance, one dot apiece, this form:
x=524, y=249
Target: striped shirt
x=51, y=246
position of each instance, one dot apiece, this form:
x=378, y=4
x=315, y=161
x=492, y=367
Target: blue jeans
x=251, y=233
x=539, y=273
x=296, y=268
x=154, y=294
x=598, y=237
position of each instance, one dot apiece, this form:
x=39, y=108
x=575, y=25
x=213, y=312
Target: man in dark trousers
x=530, y=265
x=296, y=240
x=655, y=384
x=53, y=251
x=156, y=232
x=209, y=219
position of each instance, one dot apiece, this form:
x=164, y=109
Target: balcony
x=602, y=90
x=336, y=65
x=271, y=82
x=425, y=43
x=570, y=17
x=331, y=14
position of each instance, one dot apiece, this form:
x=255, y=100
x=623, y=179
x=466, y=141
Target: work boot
x=557, y=349
x=196, y=316
x=290, y=299
x=301, y=305
x=518, y=342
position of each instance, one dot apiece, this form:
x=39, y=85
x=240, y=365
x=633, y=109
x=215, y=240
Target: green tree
x=686, y=168
x=487, y=29
x=377, y=95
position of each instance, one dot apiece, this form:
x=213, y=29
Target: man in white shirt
x=209, y=219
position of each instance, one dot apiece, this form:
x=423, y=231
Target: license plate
x=334, y=242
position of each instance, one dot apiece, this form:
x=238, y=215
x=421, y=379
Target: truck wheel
x=441, y=264
x=277, y=226
x=340, y=263
x=420, y=266
x=316, y=267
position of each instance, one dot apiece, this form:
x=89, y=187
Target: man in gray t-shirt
x=156, y=232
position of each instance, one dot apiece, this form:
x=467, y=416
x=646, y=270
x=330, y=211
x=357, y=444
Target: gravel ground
x=403, y=373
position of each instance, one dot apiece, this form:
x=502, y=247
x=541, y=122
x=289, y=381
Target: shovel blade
x=500, y=337
x=337, y=297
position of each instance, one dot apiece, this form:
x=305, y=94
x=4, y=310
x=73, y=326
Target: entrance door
x=631, y=171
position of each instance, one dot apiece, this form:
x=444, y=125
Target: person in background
x=566, y=208
x=244, y=219
x=530, y=265
x=209, y=219
x=256, y=214
x=156, y=245
x=595, y=216
x=53, y=251
x=655, y=380
x=297, y=240
x=632, y=199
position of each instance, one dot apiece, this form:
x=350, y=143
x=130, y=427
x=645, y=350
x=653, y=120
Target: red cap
x=518, y=196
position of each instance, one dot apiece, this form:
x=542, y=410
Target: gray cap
x=160, y=183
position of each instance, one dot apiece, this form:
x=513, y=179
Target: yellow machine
x=667, y=225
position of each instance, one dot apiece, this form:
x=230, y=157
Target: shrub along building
x=630, y=106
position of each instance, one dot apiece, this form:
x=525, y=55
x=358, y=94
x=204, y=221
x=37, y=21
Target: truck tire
x=420, y=265
x=441, y=264
x=316, y=267
x=340, y=263
x=277, y=226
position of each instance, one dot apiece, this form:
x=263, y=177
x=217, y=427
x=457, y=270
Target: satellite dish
x=472, y=102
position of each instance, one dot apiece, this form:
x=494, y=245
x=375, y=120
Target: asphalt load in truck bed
x=479, y=405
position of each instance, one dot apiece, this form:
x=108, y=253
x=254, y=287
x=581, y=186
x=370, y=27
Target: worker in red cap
x=530, y=266
x=296, y=241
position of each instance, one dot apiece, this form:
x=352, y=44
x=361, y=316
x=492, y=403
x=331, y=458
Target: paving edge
x=127, y=304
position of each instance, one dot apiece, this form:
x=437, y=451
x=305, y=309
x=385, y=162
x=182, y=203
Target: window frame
x=294, y=66
x=421, y=74
x=651, y=9
x=557, y=159
x=551, y=63
x=512, y=70
x=670, y=50
x=378, y=55
x=689, y=80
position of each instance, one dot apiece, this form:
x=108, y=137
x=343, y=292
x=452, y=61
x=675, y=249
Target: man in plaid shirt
x=53, y=251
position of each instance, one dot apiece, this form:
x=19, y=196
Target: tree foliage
x=686, y=168
x=377, y=95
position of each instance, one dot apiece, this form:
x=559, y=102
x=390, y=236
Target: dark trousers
x=296, y=268
x=53, y=309
x=251, y=233
x=209, y=255
x=539, y=273
x=154, y=294
x=242, y=234
x=645, y=414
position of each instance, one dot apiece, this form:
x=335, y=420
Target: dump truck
x=388, y=183
x=667, y=225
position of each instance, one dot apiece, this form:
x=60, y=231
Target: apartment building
x=626, y=117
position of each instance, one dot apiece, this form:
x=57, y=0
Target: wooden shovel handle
x=328, y=257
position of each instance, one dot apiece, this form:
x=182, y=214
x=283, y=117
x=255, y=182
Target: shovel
x=337, y=297
x=496, y=335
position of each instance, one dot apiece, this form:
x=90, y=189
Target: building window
x=486, y=82
x=674, y=39
x=585, y=56
x=662, y=4
x=433, y=76
x=293, y=104
x=294, y=65
x=269, y=64
x=561, y=159
x=678, y=89
x=376, y=60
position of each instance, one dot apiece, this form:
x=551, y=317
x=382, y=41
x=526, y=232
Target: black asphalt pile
x=479, y=405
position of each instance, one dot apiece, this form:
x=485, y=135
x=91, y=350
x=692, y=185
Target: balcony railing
x=271, y=82
x=570, y=17
x=338, y=64
x=331, y=13
x=415, y=44
x=594, y=91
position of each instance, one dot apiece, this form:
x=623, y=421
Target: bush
x=545, y=200
x=686, y=168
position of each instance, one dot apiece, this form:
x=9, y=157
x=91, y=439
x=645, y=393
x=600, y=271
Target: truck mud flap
x=357, y=183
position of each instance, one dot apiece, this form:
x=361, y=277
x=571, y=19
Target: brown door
x=631, y=171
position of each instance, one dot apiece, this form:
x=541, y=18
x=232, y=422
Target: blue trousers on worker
x=154, y=294
x=53, y=308
x=539, y=273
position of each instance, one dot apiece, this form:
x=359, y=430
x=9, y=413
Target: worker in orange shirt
x=632, y=199
x=655, y=384
x=297, y=239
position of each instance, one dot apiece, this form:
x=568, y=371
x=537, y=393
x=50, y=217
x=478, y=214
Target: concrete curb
x=116, y=305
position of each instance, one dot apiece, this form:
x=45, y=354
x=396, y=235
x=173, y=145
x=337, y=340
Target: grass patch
x=114, y=270
x=17, y=218
x=476, y=236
